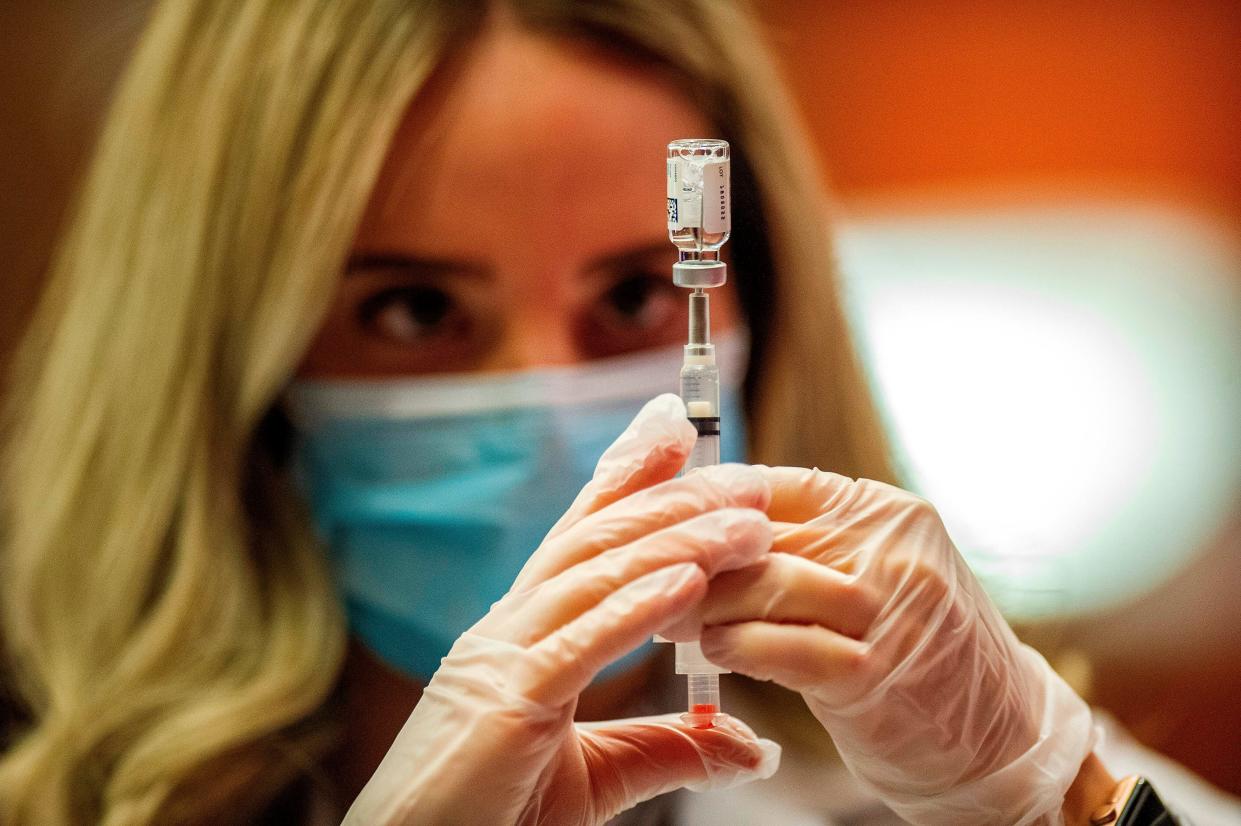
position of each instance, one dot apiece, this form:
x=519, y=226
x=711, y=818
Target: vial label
x=684, y=194
x=716, y=208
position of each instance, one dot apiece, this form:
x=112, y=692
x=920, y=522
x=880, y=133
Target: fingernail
x=734, y=538
x=665, y=411
x=666, y=405
x=746, y=485
x=770, y=759
x=769, y=751
x=661, y=421
x=680, y=575
x=749, y=537
x=714, y=643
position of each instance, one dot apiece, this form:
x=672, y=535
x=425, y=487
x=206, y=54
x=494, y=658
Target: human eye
x=395, y=315
x=638, y=309
x=414, y=315
x=398, y=323
x=641, y=301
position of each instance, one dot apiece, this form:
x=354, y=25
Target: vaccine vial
x=699, y=210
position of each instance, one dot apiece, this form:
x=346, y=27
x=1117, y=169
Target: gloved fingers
x=933, y=708
x=629, y=761
x=799, y=657
x=559, y=666
x=715, y=541
x=802, y=494
x=866, y=528
x=787, y=588
x=653, y=448
x=840, y=545
x=644, y=512
x=896, y=591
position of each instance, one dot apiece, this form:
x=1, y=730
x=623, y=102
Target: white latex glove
x=492, y=740
x=872, y=615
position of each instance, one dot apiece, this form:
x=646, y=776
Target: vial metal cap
x=695, y=274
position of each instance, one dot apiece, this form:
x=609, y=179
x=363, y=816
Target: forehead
x=530, y=130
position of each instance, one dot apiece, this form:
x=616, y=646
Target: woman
x=486, y=176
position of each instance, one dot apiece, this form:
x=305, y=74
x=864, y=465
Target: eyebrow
x=632, y=256
x=421, y=265
x=428, y=265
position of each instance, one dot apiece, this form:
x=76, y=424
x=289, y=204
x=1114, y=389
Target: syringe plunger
x=704, y=700
x=703, y=678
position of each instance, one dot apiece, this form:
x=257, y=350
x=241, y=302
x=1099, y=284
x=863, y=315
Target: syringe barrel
x=691, y=660
x=700, y=390
x=704, y=691
x=706, y=450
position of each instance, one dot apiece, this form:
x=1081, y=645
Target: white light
x=1058, y=381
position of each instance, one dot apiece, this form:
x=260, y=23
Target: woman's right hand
x=493, y=739
x=866, y=608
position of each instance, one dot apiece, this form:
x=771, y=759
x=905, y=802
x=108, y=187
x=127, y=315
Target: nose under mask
x=431, y=493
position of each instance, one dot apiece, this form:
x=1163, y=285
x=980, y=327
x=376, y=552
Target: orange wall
x=926, y=92
x=926, y=95
x=919, y=93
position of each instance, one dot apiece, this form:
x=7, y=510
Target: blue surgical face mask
x=431, y=493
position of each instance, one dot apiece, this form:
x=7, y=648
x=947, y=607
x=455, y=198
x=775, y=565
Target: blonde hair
x=168, y=623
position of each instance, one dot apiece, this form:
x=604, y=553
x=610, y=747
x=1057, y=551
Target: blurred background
x=1039, y=223
x=1038, y=207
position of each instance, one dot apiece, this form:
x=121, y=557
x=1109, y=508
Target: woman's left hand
x=871, y=614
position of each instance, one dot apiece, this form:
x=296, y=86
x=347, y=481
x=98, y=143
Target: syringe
x=699, y=222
